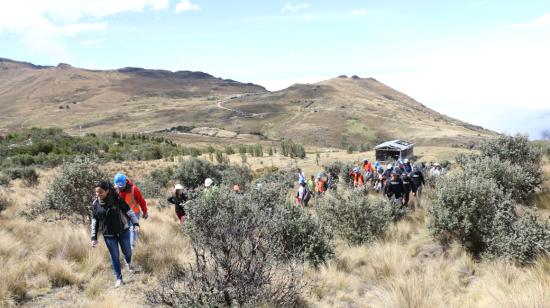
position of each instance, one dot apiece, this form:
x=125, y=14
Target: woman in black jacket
x=111, y=214
x=178, y=199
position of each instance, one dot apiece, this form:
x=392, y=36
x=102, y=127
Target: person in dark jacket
x=407, y=187
x=394, y=187
x=113, y=216
x=178, y=199
x=417, y=179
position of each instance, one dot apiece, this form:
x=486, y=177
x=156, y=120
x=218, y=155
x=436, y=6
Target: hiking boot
x=118, y=283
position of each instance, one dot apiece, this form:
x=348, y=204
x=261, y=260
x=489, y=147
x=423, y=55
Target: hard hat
x=178, y=187
x=120, y=180
x=208, y=182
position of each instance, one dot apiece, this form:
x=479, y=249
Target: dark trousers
x=112, y=243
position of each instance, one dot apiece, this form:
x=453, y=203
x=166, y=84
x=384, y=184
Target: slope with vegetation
x=483, y=248
x=341, y=112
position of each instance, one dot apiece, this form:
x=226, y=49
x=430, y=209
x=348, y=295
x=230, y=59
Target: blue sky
x=485, y=62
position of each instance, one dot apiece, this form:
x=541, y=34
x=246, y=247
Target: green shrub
x=237, y=246
x=282, y=177
x=154, y=183
x=518, y=151
x=3, y=202
x=27, y=174
x=4, y=179
x=72, y=190
x=474, y=211
x=302, y=236
x=191, y=173
x=356, y=217
x=229, y=150
x=521, y=239
x=241, y=175
x=511, y=178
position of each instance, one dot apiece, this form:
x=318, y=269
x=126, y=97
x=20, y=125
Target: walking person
x=303, y=194
x=129, y=192
x=178, y=199
x=407, y=188
x=114, y=217
x=394, y=188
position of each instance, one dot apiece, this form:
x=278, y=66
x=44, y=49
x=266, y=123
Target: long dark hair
x=107, y=186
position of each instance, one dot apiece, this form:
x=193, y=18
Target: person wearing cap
x=129, y=192
x=388, y=171
x=417, y=179
x=209, y=188
x=178, y=199
x=301, y=176
x=407, y=167
x=301, y=194
x=394, y=188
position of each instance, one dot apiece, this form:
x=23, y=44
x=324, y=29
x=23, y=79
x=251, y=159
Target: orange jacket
x=321, y=185
x=358, y=179
x=368, y=167
x=132, y=196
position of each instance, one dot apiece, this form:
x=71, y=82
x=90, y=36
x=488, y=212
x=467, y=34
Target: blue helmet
x=120, y=180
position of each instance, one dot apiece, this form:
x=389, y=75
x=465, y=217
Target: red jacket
x=132, y=196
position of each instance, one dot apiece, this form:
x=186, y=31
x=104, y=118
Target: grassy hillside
x=341, y=112
x=47, y=264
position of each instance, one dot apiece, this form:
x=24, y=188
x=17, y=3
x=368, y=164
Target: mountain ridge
x=341, y=111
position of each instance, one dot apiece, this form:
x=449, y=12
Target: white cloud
x=537, y=23
x=73, y=29
x=44, y=25
x=91, y=42
x=186, y=5
x=359, y=12
x=289, y=7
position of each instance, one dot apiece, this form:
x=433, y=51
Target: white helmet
x=208, y=182
x=389, y=166
x=406, y=160
x=178, y=187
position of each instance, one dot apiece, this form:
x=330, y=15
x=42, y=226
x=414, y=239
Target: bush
x=518, y=151
x=4, y=180
x=511, y=178
x=282, y=177
x=27, y=174
x=355, y=217
x=72, y=190
x=521, y=239
x=238, y=258
x=474, y=211
x=3, y=202
x=192, y=173
x=302, y=236
x=241, y=175
x=153, y=184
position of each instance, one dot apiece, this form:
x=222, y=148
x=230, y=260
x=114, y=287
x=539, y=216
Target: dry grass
x=52, y=264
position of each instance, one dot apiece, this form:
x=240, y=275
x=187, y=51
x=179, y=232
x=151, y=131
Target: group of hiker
x=116, y=211
x=396, y=181
x=119, y=205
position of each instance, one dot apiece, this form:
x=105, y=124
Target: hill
x=339, y=112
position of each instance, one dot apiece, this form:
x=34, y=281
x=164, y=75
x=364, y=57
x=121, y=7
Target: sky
x=482, y=61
